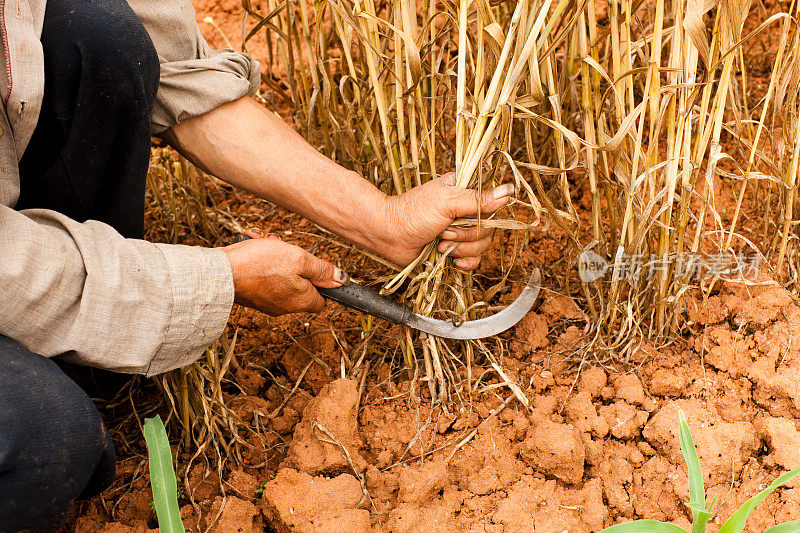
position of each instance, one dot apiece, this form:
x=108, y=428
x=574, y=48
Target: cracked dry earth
x=591, y=452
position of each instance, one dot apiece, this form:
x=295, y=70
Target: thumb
x=322, y=273
x=467, y=202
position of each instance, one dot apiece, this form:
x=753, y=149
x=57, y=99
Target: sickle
x=368, y=301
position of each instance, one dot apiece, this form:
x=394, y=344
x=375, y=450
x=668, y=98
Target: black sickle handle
x=368, y=301
x=363, y=299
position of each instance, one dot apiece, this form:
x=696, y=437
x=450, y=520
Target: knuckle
x=467, y=249
x=317, y=305
x=475, y=248
x=327, y=268
x=458, y=234
x=304, y=260
x=483, y=244
x=478, y=197
x=313, y=301
x=453, y=194
x=448, y=179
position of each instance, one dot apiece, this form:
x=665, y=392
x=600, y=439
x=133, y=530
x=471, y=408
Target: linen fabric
x=80, y=289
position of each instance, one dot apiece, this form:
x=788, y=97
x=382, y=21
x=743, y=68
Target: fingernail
x=502, y=191
x=449, y=235
x=257, y=231
x=341, y=276
x=462, y=263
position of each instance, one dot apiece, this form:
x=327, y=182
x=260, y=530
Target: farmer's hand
x=426, y=212
x=278, y=278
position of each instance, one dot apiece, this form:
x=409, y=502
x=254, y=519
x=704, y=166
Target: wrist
x=370, y=219
x=383, y=229
x=235, y=266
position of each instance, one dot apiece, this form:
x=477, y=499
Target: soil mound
x=326, y=439
x=297, y=502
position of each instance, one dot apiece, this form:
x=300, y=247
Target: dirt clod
x=582, y=414
x=334, y=409
x=203, y=483
x=299, y=503
x=235, y=516
x=666, y=382
x=783, y=442
x=723, y=447
x=555, y=449
x=419, y=485
x=629, y=388
x=532, y=330
x=592, y=381
x=243, y=485
x=624, y=420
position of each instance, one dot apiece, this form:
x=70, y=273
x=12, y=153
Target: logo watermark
x=690, y=266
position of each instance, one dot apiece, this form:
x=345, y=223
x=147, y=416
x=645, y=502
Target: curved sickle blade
x=484, y=327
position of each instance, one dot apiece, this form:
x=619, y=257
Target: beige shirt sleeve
x=82, y=291
x=194, y=78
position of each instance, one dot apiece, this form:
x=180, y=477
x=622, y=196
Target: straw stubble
x=650, y=105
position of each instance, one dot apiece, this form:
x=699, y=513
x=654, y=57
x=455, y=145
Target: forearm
x=250, y=147
x=127, y=305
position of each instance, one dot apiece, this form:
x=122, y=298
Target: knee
x=42, y=406
x=107, y=46
x=52, y=439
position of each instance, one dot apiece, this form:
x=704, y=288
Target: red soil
x=588, y=454
x=596, y=448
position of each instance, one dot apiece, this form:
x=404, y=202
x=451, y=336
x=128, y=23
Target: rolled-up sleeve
x=83, y=292
x=194, y=78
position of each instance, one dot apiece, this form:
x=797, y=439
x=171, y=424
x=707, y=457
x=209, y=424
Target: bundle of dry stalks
x=654, y=109
x=405, y=91
x=649, y=107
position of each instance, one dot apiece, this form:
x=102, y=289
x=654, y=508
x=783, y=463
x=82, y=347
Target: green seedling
x=263, y=483
x=697, y=500
x=162, y=476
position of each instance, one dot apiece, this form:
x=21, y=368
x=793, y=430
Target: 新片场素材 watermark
x=689, y=266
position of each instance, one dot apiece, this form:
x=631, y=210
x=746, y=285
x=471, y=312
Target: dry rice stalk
x=650, y=107
x=403, y=92
x=179, y=210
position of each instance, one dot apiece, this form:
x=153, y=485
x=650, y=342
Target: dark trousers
x=53, y=445
x=88, y=159
x=89, y=154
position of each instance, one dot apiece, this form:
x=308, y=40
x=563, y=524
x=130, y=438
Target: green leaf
x=162, y=476
x=700, y=520
x=786, y=527
x=697, y=493
x=735, y=524
x=644, y=526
